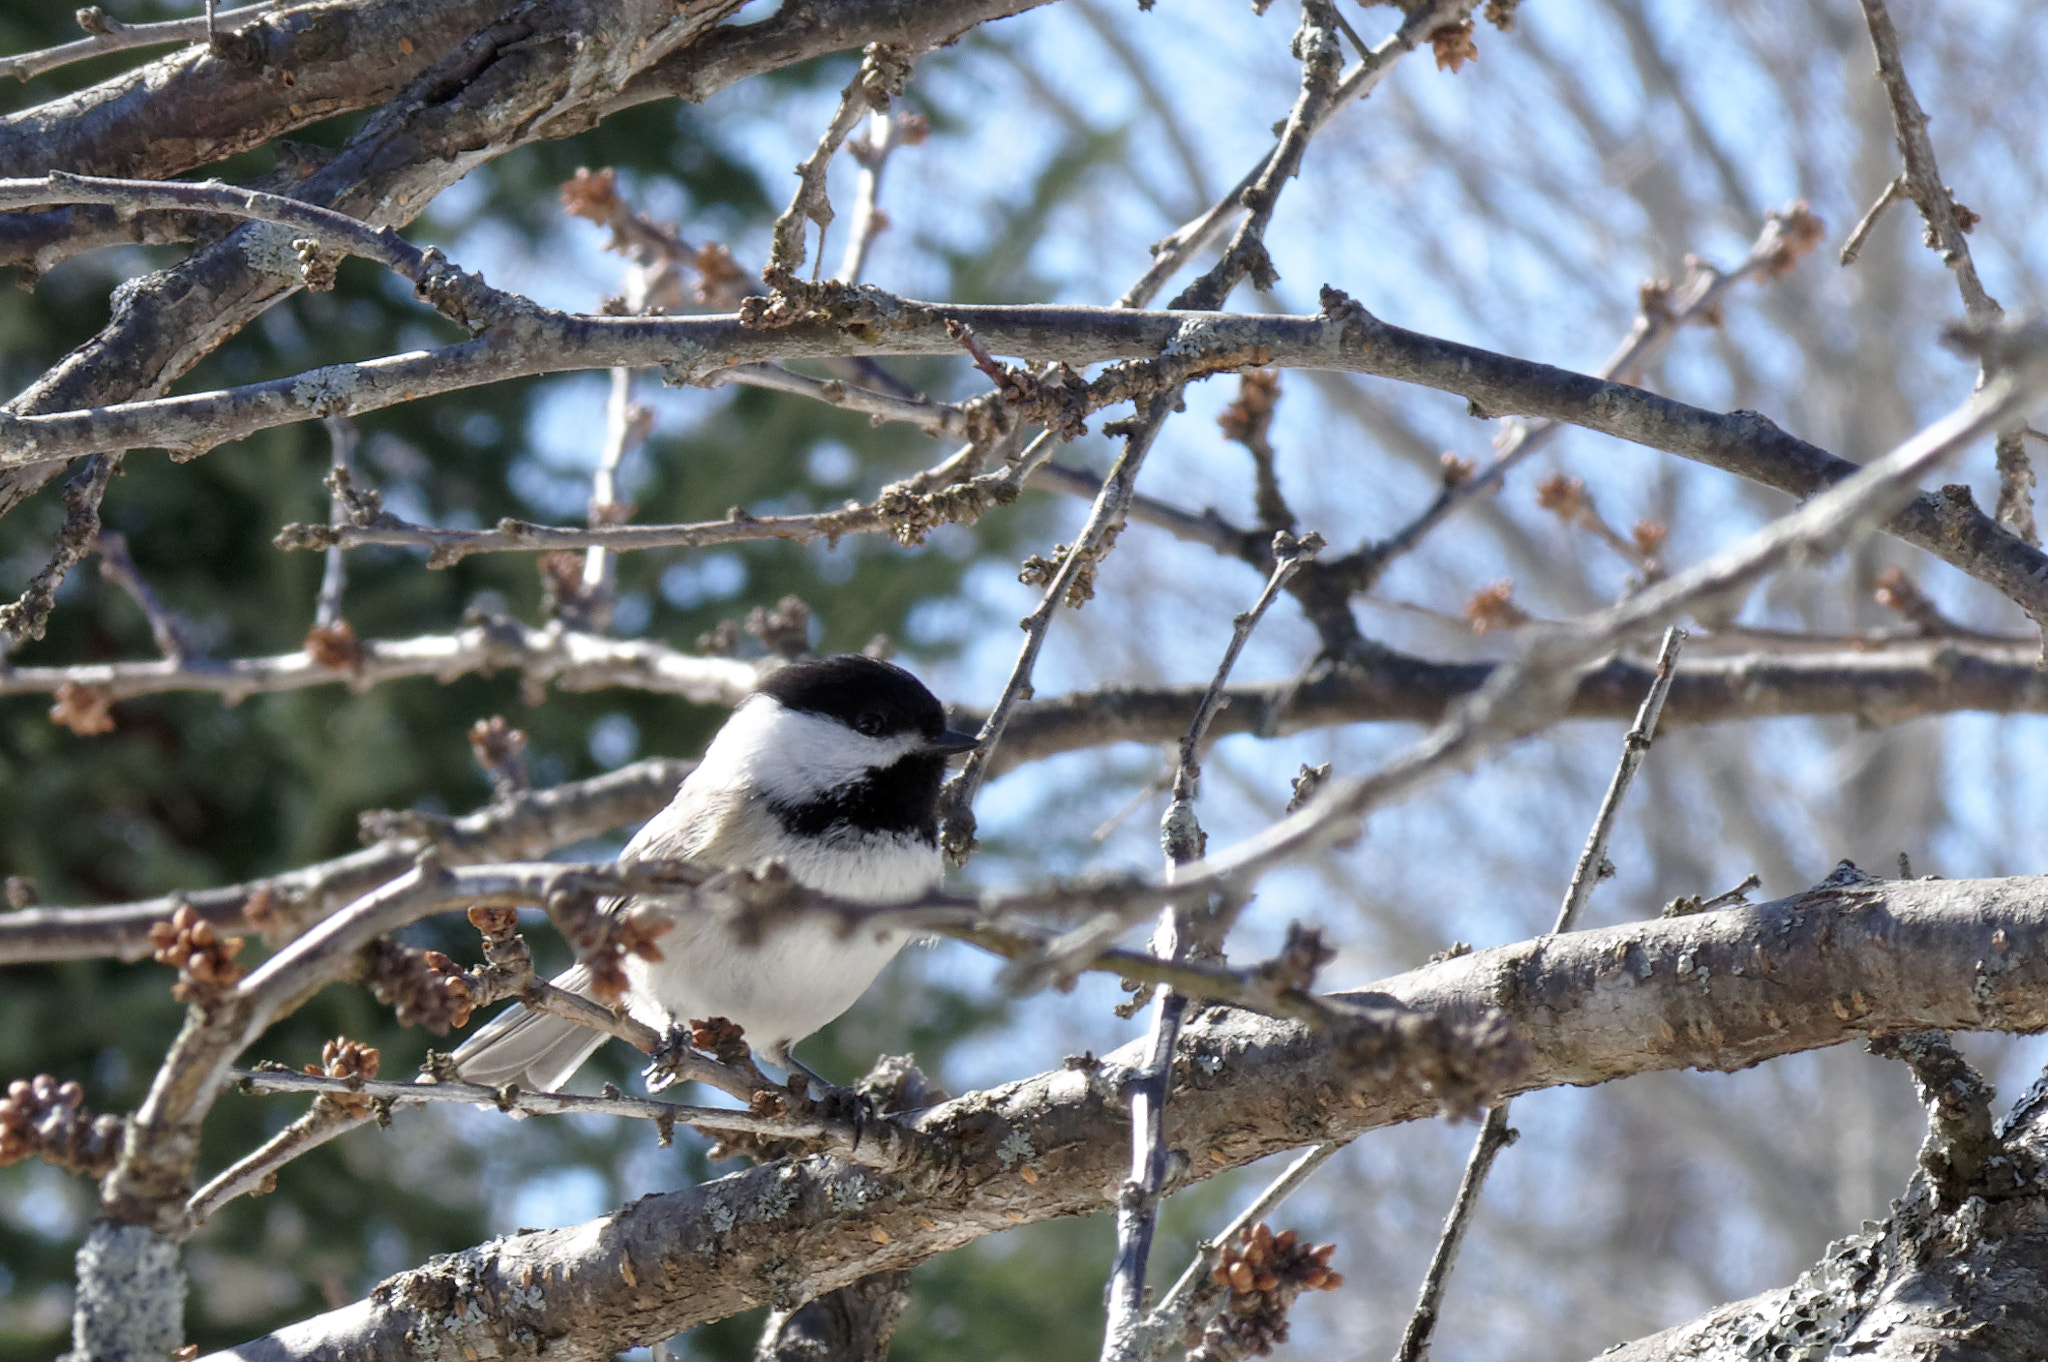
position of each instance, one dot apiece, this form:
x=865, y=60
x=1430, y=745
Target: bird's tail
x=533, y=1049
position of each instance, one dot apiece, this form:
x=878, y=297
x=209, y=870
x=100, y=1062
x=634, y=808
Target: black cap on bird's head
x=870, y=696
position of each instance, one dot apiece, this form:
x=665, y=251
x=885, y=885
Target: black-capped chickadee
x=832, y=768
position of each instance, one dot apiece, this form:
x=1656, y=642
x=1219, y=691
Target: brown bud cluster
x=500, y=750
x=264, y=908
x=492, y=920
x=424, y=988
x=563, y=593
x=1453, y=46
x=1799, y=231
x=205, y=960
x=1038, y=571
x=85, y=710
x=785, y=630
x=593, y=194
x=1249, y=417
x=1564, y=497
x=345, y=1058
x=1300, y=958
x=1264, y=1273
x=1492, y=609
x=1653, y=300
x=41, y=1118
x=633, y=934
x=720, y=1038
x=334, y=646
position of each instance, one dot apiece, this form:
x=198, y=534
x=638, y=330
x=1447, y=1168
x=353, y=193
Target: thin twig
x=118, y=567
x=1195, y=1297
x=1182, y=245
x=329, y=1117
x=23, y=618
x=933, y=418
x=1290, y=553
x=256, y=1172
x=1494, y=1134
x=1148, y=1088
x=1592, y=865
x=883, y=69
x=1208, y=529
x=1321, y=51
x=111, y=35
x=341, y=432
x=1947, y=222
x=886, y=132
x=1853, y=247
x=1105, y=519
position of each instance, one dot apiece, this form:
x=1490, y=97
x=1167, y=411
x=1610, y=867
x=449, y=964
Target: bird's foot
x=833, y=1105
x=672, y=1062
x=680, y=1059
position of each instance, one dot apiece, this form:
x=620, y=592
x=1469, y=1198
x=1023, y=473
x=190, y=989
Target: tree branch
x=1947, y=222
x=1719, y=991
x=1947, y=525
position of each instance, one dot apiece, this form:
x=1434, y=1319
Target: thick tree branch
x=1720, y=991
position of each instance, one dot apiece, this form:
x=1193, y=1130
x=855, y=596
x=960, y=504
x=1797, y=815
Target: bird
x=831, y=768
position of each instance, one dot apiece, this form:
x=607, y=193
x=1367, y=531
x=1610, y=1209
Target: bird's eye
x=869, y=723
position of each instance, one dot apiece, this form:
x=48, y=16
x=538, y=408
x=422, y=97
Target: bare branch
x=23, y=618
x=463, y=297
x=1190, y=240
x=1819, y=968
x=1592, y=865
x=111, y=35
x=883, y=69
x=1527, y=693
x=1346, y=338
x=118, y=567
x=282, y=906
x=1947, y=222
x=342, y=435
x=548, y=656
x=1853, y=247
x=1495, y=1134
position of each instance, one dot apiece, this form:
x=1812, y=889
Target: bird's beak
x=952, y=742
